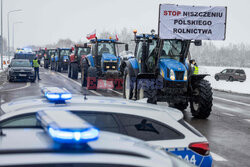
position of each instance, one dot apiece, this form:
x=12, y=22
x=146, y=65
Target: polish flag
x=91, y=35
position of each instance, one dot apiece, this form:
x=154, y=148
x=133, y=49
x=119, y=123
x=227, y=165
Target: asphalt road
x=227, y=128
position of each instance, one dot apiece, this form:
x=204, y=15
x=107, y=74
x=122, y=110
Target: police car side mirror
x=197, y=42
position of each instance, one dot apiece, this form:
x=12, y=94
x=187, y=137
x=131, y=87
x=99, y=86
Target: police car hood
x=93, y=103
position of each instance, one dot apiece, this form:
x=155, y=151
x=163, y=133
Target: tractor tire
x=84, y=73
x=69, y=70
x=151, y=94
x=180, y=106
x=74, y=71
x=59, y=67
x=201, y=101
x=92, y=76
x=128, y=85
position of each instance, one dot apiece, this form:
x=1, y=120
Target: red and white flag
x=116, y=37
x=91, y=35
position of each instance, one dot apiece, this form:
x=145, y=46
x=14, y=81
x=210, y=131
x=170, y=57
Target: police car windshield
x=20, y=64
x=172, y=49
x=106, y=48
x=83, y=51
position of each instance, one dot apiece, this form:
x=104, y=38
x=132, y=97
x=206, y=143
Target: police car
x=65, y=140
x=157, y=125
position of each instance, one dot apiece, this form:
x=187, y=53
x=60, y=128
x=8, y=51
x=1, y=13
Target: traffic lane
x=10, y=91
x=244, y=98
x=228, y=135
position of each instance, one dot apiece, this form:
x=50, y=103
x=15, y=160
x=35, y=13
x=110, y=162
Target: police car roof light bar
x=66, y=127
x=56, y=94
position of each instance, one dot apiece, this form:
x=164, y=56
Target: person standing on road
x=36, y=65
x=194, y=67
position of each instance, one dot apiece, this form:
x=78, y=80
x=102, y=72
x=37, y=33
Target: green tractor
x=160, y=71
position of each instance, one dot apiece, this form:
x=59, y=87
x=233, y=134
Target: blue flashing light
x=56, y=94
x=66, y=127
x=71, y=136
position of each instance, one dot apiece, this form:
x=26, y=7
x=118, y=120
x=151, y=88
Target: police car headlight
x=172, y=75
x=185, y=75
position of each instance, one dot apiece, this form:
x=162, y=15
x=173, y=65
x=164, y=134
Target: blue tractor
x=160, y=71
x=102, y=63
x=62, y=59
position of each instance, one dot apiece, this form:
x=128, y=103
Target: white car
x=161, y=126
x=67, y=140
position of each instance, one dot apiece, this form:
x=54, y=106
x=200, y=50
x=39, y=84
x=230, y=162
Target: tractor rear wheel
x=92, y=80
x=128, y=85
x=144, y=92
x=202, y=99
x=84, y=73
x=74, y=71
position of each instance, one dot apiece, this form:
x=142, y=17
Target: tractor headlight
x=107, y=67
x=172, y=75
x=185, y=75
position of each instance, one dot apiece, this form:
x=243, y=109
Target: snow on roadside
x=237, y=87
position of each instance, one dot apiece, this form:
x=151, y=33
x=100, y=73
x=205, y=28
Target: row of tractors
x=159, y=70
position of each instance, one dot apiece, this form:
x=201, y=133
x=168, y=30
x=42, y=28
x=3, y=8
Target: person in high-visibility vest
x=36, y=68
x=195, y=67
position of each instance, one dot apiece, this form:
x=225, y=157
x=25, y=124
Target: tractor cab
x=62, y=58
x=166, y=56
x=104, y=53
x=79, y=52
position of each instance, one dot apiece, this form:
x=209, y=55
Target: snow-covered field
x=237, y=87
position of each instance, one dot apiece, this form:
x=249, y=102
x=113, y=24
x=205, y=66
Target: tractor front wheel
x=74, y=71
x=84, y=73
x=202, y=99
x=128, y=85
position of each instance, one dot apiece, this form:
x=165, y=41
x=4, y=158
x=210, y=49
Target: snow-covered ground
x=238, y=87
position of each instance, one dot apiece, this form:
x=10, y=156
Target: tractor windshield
x=172, y=49
x=83, y=51
x=64, y=52
x=106, y=48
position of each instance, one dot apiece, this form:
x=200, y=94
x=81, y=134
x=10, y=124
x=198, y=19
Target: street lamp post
x=8, y=18
x=1, y=34
x=13, y=33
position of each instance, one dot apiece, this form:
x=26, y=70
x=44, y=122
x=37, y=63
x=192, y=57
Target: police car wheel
x=202, y=99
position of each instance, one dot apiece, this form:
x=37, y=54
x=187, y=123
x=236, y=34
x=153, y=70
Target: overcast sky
x=47, y=21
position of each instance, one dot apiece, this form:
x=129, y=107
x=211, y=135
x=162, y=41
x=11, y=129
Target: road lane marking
x=248, y=120
x=116, y=92
x=232, y=101
x=26, y=86
x=216, y=157
x=94, y=92
x=231, y=115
